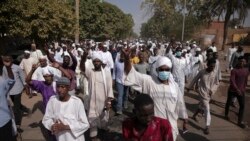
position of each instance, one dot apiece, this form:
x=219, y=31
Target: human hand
x=58, y=127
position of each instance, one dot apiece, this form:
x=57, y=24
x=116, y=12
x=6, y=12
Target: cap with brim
x=63, y=81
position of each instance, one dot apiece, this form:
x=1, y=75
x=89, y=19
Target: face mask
x=164, y=75
x=178, y=53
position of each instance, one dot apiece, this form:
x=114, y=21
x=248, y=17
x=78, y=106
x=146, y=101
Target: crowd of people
x=77, y=84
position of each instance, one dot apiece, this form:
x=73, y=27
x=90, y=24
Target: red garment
x=238, y=79
x=158, y=130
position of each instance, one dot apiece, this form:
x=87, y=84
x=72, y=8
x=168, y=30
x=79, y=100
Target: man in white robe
x=100, y=93
x=35, y=53
x=230, y=52
x=65, y=115
x=165, y=92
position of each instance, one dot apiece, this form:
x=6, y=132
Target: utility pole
x=183, y=21
x=77, y=32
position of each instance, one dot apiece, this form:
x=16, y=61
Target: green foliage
x=103, y=21
x=36, y=19
x=168, y=17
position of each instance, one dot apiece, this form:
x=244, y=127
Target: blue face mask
x=164, y=75
x=178, y=53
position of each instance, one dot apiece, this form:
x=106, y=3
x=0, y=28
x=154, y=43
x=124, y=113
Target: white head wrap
x=43, y=57
x=184, y=50
x=26, y=51
x=97, y=55
x=47, y=71
x=198, y=49
x=188, y=48
x=163, y=61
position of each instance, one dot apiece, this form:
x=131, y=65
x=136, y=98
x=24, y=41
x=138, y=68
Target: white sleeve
x=21, y=65
x=80, y=125
x=49, y=115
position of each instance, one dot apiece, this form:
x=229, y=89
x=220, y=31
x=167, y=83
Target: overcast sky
x=134, y=8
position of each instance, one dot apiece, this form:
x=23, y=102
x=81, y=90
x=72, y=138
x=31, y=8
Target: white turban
x=188, y=48
x=198, y=49
x=26, y=51
x=80, y=49
x=97, y=55
x=43, y=57
x=47, y=71
x=163, y=61
x=184, y=50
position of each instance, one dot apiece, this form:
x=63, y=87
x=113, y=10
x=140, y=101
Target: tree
x=102, y=21
x=216, y=8
x=36, y=19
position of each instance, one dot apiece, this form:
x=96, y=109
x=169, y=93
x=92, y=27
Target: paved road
x=221, y=130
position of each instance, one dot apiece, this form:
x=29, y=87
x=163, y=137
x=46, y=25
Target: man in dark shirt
x=237, y=88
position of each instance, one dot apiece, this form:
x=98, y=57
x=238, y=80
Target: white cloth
x=38, y=74
x=26, y=64
x=108, y=60
x=71, y=113
x=168, y=100
x=229, y=55
x=36, y=54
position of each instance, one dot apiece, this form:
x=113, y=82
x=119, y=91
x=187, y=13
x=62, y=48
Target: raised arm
x=127, y=63
x=28, y=79
x=83, y=60
x=64, y=71
x=51, y=59
x=73, y=58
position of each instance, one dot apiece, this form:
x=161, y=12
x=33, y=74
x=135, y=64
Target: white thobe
x=36, y=54
x=196, y=64
x=229, y=55
x=26, y=64
x=167, y=104
x=109, y=60
x=71, y=113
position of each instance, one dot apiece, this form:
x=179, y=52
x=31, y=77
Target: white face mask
x=164, y=75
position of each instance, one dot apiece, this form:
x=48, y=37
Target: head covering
x=184, y=50
x=97, y=55
x=47, y=71
x=188, y=48
x=163, y=61
x=26, y=51
x=42, y=57
x=63, y=81
x=80, y=49
x=198, y=49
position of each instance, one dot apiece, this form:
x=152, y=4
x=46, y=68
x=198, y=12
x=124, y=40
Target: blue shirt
x=5, y=114
x=118, y=72
x=18, y=77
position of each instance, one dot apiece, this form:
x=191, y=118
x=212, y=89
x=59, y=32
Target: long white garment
x=58, y=56
x=178, y=70
x=168, y=101
x=229, y=55
x=108, y=60
x=26, y=64
x=196, y=62
x=71, y=113
x=98, y=92
x=36, y=54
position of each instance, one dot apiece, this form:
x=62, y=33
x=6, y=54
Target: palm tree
x=216, y=8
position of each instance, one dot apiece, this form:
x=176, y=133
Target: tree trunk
x=226, y=23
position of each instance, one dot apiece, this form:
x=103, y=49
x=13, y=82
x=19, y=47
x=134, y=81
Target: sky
x=134, y=8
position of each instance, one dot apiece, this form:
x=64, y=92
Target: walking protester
x=69, y=68
x=100, y=93
x=237, y=88
x=144, y=125
x=178, y=70
x=235, y=56
x=230, y=52
x=26, y=65
x=163, y=89
x=65, y=115
x=15, y=92
x=118, y=81
x=47, y=88
x=207, y=85
x=196, y=62
x=142, y=66
x=5, y=111
x=35, y=53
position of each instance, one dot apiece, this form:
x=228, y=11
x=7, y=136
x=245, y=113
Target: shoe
x=242, y=125
x=206, y=131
